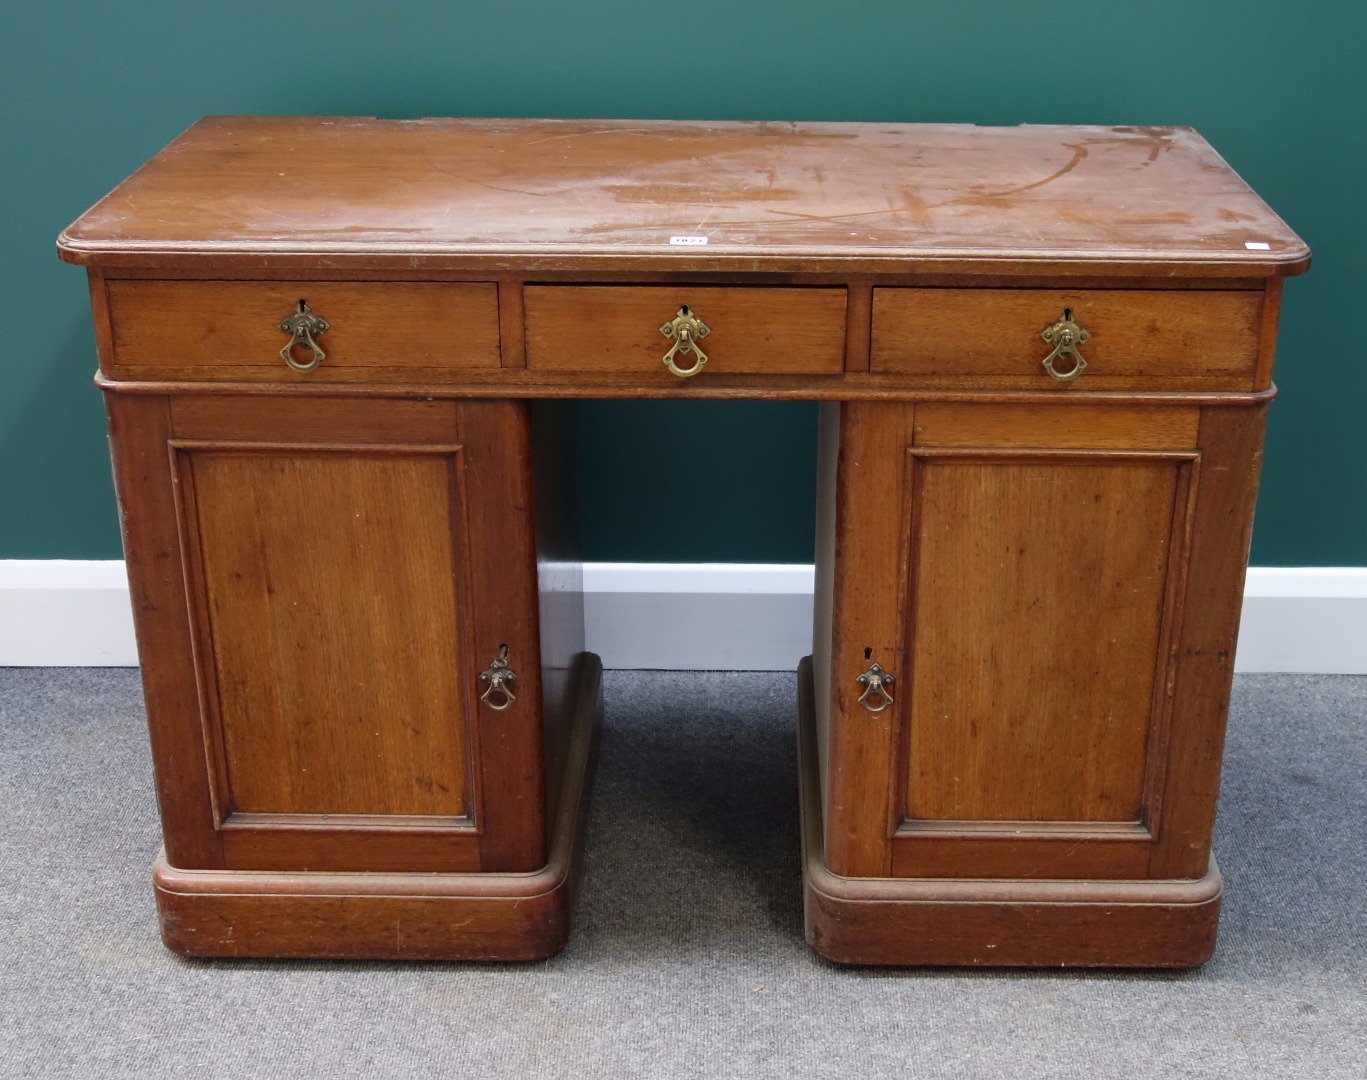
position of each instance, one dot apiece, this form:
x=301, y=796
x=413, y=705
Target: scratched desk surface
x=446, y=194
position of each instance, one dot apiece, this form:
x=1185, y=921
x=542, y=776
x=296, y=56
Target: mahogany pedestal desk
x=337, y=355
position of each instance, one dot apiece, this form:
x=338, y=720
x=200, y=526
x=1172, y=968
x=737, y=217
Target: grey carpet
x=687, y=959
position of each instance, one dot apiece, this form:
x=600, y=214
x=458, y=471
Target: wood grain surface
x=336, y=701
x=1134, y=333
x=1061, y=424
x=1037, y=597
x=617, y=329
x=377, y=330
x=581, y=193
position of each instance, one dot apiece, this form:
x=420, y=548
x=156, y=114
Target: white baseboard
x=698, y=616
x=682, y=616
x=60, y=613
x=1304, y=619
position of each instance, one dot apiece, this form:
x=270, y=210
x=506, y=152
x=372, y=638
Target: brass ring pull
x=1065, y=336
x=875, y=681
x=303, y=326
x=685, y=330
x=499, y=676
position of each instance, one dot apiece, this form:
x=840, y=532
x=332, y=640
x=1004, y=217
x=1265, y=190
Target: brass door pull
x=303, y=326
x=875, y=681
x=499, y=676
x=685, y=330
x=1065, y=336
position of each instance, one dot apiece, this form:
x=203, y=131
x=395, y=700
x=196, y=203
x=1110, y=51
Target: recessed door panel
x=1037, y=597
x=334, y=582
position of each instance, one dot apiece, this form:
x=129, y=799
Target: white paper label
x=1257, y=245
x=687, y=241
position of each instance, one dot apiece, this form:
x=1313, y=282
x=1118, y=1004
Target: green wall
x=89, y=90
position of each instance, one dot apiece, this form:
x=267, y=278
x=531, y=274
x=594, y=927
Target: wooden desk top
x=248, y=194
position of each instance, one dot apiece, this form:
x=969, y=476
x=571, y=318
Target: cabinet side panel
x=1267, y=333
x=828, y=452
x=139, y=434
x=560, y=578
x=99, y=310
x=1231, y=457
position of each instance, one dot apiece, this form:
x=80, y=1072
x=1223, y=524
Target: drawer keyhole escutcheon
x=685, y=330
x=499, y=676
x=875, y=682
x=1065, y=336
x=303, y=326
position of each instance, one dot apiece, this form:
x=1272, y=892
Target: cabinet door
x=318, y=585
x=1055, y=591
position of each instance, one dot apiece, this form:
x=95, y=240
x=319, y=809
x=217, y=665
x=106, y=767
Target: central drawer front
x=377, y=331
x=1140, y=338
x=616, y=329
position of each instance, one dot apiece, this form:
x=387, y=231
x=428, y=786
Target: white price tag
x=687, y=241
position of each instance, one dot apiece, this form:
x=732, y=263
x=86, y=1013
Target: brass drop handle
x=303, y=326
x=499, y=676
x=685, y=330
x=1065, y=336
x=875, y=682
